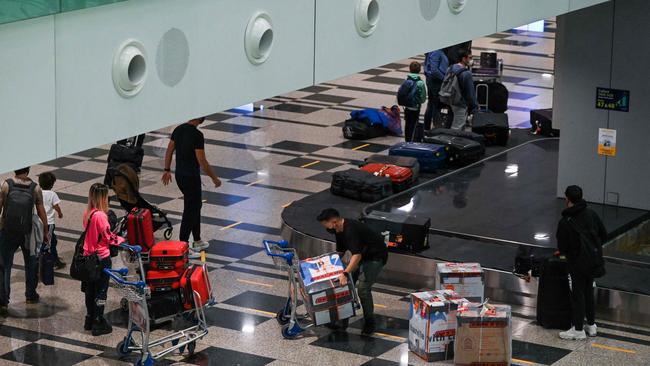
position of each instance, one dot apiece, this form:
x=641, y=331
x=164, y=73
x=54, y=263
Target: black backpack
x=19, y=207
x=590, y=260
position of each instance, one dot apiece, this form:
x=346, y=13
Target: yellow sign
x=606, y=142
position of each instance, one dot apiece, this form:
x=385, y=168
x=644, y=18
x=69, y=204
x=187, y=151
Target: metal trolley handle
x=282, y=244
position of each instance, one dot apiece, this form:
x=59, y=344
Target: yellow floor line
x=401, y=339
x=310, y=164
x=381, y=306
x=613, y=348
x=230, y=226
x=268, y=313
x=361, y=147
x=522, y=361
x=254, y=283
x=254, y=183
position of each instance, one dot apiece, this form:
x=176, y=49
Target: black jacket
x=578, y=217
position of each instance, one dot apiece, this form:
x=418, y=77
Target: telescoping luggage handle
x=282, y=244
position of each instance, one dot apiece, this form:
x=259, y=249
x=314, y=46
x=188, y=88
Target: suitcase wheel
x=282, y=318
x=289, y=332
x=123, y=347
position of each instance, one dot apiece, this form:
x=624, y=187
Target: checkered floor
x=269, y=154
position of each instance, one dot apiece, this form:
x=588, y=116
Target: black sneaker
x=33, y=300
x=101, y=326
x=88, y=323
x=4, y=310
x=368, y=328
x=59, y=264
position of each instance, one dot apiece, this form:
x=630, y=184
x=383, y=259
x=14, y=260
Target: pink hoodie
x=99, y=235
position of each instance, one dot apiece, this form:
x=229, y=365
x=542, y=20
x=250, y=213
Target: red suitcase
x=139, y=228
x=160, y=281
x=401, y=177
x=196, y=279
x=169, y=255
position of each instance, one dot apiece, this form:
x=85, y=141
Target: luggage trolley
x=285, y=258
x=134, y=289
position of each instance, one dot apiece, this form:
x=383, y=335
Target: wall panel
x=513, y=13
x=579, y=4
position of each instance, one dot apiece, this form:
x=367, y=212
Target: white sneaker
x=573, y=334
x=591, y=330
x=199, y=245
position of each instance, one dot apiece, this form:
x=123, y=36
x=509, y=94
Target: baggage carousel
x=485, y=213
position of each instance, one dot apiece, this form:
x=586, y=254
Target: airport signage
x=613, y=99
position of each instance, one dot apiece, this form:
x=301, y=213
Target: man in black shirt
x=369, y=255
x=188, y=143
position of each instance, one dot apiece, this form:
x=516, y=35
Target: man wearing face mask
x=468, y=104
x=368, y=256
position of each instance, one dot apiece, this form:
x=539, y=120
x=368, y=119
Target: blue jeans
x=8, y=245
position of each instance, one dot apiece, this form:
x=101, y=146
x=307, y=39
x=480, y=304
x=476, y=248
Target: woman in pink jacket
x=98, y=238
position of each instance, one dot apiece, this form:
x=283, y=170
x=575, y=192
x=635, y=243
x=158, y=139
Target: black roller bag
x=462, y=151
x=541, y=123
x=164, y=304
x=406, y=233
x=360, y=185
x=123, y=154
x=403, y=161
x=554, y=295
x=458, y=133
x=497, y=95
x=362, y=130
x=444, y=117
x=493, y=126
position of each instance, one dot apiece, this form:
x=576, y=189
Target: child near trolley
x=97, y=240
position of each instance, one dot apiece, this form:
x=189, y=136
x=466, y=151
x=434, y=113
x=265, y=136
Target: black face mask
x=331, y=231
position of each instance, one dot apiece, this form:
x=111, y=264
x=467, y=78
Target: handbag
x=46, y=266
x=85, y=268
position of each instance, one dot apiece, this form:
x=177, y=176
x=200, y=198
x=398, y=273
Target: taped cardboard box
x=466, y=279
x=432, y=324
x=325, y=299
x=483, y=335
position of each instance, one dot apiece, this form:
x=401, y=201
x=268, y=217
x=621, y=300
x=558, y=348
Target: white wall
x=513, y=13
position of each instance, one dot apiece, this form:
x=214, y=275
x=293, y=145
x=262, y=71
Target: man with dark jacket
x=435, y=68
x=581, y=226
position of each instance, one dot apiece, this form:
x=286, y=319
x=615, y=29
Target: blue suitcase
x=430, y=156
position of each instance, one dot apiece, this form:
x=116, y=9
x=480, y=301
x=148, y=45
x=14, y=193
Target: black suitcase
x=407, y=233
x=458, y=133
x=164, y=304
x=444, y=117
x=541, y=123
x=493, y=126
x=497, y=96
x=362, y=130
x=376, y=188
x=403, y=161
x=554, y=295
x=360, y=185
x=462, y=151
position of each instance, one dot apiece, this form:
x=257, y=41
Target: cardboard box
x=466, y=279
x=325, y=299
x=483, y=335
x=432, y=324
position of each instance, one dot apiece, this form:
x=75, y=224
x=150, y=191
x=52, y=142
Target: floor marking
x=268, y=313
x=381, y=306
x=310, y=164
x=613, y=348
x=204, y=200
x=401, y=339
x=287, y=204
x=254, y=183
x=254, y=283
x=522, y=361
x=230, y=226
x=360, y=147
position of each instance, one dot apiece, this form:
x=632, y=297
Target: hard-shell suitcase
x=541, y=123
x=169, y=255
x=360, y=185
x=362, y=130
x=494, y=126
x=430, y=156
x=403, y=161
x=195, y=280
x=492, y=95
x=405, y=232
x=160, y=281
x=139, y=228
x=401, y=177
x=554, y=295
x=164, y=304
x=461, y=151
x=457, y=133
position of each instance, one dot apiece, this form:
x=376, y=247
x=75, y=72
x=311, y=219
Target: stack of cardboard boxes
x=466, y=279
x=483, y=335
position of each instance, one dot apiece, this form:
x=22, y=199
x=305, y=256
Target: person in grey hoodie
x=468, y=104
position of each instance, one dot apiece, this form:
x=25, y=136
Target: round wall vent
x=456, y=6
x=172, y=57
x=429, y=8
x=258, y=40
x=130, y=68
x=366, y=17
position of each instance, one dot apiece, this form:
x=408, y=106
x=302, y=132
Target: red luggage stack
x=169, y=256
x=196, y=279
x=139, y=228
x=401, y=177
x=162, y=281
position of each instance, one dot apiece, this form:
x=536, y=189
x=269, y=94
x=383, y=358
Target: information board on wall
x=613, y=99
x=606, y=142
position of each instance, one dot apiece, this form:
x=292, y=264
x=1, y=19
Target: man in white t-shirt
x=51, y=202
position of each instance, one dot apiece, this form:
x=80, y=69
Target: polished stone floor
x=270, y=154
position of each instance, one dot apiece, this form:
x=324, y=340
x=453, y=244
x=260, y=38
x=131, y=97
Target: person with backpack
x=580, y=236
x=411, y=94
x=458, y=92
x=435, y=68
x=18, y=198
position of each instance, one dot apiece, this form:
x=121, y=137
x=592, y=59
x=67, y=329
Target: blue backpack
x=407, y=95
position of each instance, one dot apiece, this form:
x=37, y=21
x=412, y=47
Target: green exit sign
x=613, y=99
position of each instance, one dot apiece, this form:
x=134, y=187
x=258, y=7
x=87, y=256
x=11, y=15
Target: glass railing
x=16, y=10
